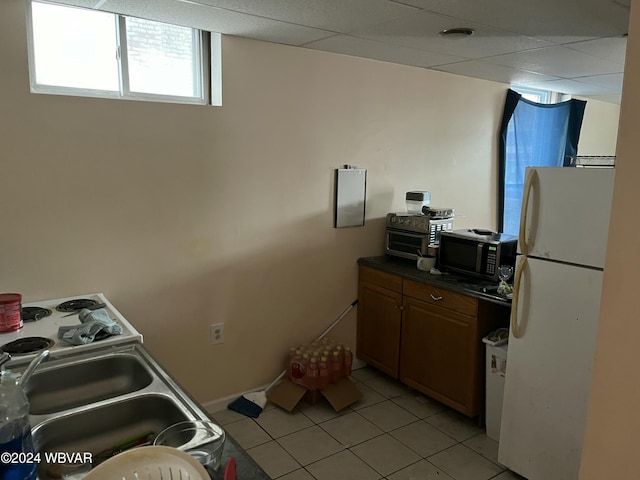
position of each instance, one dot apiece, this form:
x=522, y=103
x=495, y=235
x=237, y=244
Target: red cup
x=10, y=316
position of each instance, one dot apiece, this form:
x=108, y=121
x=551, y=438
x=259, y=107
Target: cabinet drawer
x=439, y=296
x=382, y=279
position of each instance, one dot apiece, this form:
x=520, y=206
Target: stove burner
x=75, y=305
x=31, y=314
x=26, y=345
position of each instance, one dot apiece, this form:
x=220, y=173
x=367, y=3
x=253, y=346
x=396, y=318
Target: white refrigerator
x=554, y=319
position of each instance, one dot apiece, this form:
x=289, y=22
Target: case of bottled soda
x=318, y=364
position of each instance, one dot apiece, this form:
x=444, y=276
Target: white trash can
x=496, y=368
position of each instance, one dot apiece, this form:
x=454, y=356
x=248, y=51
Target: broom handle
x=342, y=315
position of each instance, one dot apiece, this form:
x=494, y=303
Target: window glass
x=76, y=51
x=162, y=58
x=74, y=47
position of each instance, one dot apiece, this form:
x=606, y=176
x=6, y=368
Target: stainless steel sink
x=99, y=400
x=102, y=429
x=75, y=384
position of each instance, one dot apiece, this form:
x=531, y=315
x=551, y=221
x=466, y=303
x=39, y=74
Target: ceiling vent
x=455, y=33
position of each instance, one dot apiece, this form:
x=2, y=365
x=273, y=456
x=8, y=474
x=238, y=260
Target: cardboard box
x=288, y=394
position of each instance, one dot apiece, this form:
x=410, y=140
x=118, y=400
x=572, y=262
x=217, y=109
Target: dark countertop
x=467, y=285
x=246, y=467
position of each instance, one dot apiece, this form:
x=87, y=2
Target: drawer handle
x=435, y=297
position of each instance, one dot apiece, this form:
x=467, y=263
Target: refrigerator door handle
x=515, y=327
x=528, y=186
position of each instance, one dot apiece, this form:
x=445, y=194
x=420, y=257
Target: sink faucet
x=26, y=375
x=4, y=358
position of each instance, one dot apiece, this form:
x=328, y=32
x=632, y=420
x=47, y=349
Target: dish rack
x=149, y=463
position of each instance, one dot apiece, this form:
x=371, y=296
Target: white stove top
x=48, y=327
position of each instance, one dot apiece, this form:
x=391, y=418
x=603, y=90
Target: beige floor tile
x=320, y=412
x=247, y=433
x=300, y=474
x=455, y=425
x=462, y=463
x=485, y=446
x=365, y=373
x=351, y=429
x=270, y=406
x=422, y=470
x=342, y=466
x=387, y=386
x=387, y=415
x=278, y=422
x=310, y=445
x=273, y=459
x=422, y=438
x=418, y=405
x=226, y=416
x=385, y=454
x=369, y=397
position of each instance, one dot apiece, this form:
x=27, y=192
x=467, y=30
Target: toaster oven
x=407, y=234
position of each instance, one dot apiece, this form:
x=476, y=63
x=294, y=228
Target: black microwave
x=476, y=252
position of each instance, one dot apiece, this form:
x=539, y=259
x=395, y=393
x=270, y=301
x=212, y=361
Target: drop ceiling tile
x=394, y=31
x=334, y=15
x=421, y=30
x=360, y=47
x=414, y=3
x=217, y=20
x=612, y=49
x=570, y=86
x=558, y=22
x=611, y=82
x=495, y=73
x=79, y=3
x=558, y=62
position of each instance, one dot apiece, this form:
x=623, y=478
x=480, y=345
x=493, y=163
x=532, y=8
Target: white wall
x=186, y=216
x=613, y=428
x=599, y=131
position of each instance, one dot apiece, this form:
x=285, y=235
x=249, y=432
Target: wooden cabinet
x=379, y=320
x=428, y=337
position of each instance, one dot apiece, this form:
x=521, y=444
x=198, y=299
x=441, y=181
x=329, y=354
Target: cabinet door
x=379, y=319
x=438, y=355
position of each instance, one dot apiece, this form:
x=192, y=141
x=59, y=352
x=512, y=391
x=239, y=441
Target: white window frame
x=542, y=96
x=202, y=68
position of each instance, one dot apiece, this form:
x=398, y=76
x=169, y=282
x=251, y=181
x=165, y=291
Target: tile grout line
x=384, y=398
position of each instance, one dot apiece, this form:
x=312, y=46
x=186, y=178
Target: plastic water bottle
x=323, y=374
x=335, y=368
x=347, y=364
x=311, y=375
x=15, y=431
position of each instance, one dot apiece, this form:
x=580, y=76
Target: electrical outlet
x=217, y=333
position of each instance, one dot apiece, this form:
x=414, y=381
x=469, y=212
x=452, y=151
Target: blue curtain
x=532, y=135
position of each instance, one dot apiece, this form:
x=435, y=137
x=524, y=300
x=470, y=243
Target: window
x=534, y=95
x=532, y=134
x=75, y=51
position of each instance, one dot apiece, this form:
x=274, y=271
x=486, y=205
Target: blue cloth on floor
x=93, y=322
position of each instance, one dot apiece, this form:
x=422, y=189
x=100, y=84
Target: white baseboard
x=213, y=406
